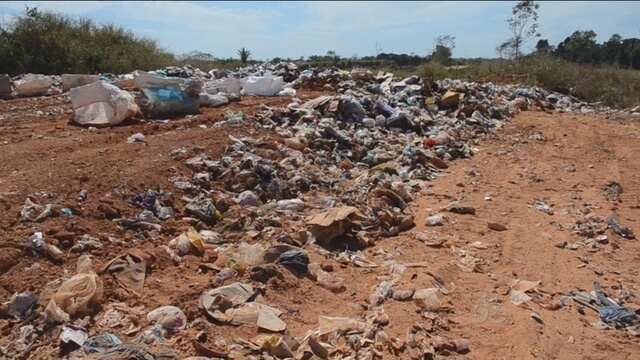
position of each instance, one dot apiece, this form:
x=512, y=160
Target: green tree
x=443, y=47
x=244, y=55
x=523, y=25
x=332, y=56
x=580, y=47
x=543, y=47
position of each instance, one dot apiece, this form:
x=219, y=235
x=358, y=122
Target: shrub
x=609, y=85
x=50, y=43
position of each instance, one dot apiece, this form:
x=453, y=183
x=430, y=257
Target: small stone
x=403, y=295
x=496, y=226
x=427, y=299
x=435, y=220
x=248, y=198
x=458, y=208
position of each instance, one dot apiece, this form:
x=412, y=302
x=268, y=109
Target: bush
x=49, y=43
x=609, y=85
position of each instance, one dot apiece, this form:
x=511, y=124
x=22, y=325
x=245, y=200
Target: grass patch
x=608, y=85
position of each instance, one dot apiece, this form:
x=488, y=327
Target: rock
x=403, y=295
x=436, y=220
x=263, y=273
x=458, y=208
x=431, y=240
x=450, y=99
x=427, y=299
x=248, y=198
x=496, y=226
x=290, y=205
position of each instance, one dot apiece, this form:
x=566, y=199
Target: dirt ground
x=562, y=159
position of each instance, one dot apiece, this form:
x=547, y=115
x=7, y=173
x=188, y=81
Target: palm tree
x=244, y=55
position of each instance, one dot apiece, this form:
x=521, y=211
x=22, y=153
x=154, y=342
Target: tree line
x=582, y=47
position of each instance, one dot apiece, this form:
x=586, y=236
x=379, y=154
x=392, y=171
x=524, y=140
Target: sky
x=294, y=29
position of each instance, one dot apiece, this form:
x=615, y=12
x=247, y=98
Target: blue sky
x=293, y=29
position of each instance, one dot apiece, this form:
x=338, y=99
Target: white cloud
x=305, y=28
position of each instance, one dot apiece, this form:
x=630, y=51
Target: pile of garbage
x=337, y=174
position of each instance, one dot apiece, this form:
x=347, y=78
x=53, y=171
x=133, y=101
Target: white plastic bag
x=165, y=96
x=70, y=81
x=262, y=85
x=216, y=100
x=101, y=104
x=32, y=85
x=227, y=85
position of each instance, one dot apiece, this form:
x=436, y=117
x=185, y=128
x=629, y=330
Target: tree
x=244, y=55
x=612, y=50
x=523, y=25
x=331, y=55
x=580, y=47
x=543, y=47
x=443, y=47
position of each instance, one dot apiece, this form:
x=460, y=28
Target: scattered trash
x=129, y=270
x=296, y=259
x=169, y=318
x=20, y=306
x=623, y=231
x=76, y=295
x=326, y=226
x=74, y=334
x=610, y=312
x=519, y=289
x=35, y=212
x=136, y=138
x=436, y=220
x=612, y=190
x=188, y=242
x=542, y=206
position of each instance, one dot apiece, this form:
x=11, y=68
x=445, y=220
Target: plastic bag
x=227, y=85
x=213, y=100
x=5, y=86
x=169, y=317
x=101, y=104
x=32, y=85
x=168, y=96
x=70, y=81
x=262, y=85
x=77, y=294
